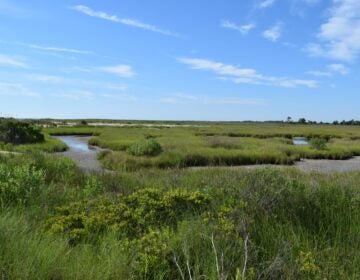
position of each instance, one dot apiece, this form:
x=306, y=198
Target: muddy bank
x=305, y=165
x=324, y=165
x=81, y=153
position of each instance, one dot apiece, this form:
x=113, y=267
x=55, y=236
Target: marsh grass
x=160, y=224
x=216, y=145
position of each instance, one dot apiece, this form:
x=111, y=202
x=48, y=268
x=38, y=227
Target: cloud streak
x=7, y=60
x=57, y=49
x=244, y=75
x=243, y=29
x=121, y=70
x=335, y=68
x=266, y=4
x=125, y=21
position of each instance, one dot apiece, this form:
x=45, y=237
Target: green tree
x=19, y=132
x=302, y=121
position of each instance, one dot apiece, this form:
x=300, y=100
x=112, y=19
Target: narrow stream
x=81, y=153
x=300, y=141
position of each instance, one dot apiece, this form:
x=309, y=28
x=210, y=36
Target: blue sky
x=180, y=60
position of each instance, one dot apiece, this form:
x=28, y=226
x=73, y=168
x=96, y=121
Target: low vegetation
x=318, y=143
x=146, y=147
x=56, y=222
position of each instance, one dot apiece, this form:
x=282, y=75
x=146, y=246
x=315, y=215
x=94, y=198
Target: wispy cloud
x=243, y=29
x=121, y=70
x=266, y=4
x=244, y=75
x=339, y=36
x=62, y=52
x=16, y=89
x=319, y=73
x=117, y=87
x=335, y=68
x=274, y=32
x=339, y=68
x=126, y=21
x=57, y=49
x=46, y=78
x=13, y=61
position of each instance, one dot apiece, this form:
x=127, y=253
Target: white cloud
x=57, y=49
x=266, y=4
x=46, y=78
x=16, y=89
x=117, y=87
x=243, y=29
x=121, y=70
x=126, y=21
x=12, y=61
x=332, y=69
x=319, y=73
x=244, y=75
x=339, y=36
x=339, y=68
x=274, y=32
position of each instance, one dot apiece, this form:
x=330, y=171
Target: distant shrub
x=318, y=143
x=19, y=132
x=222, y=142
x=146, y=147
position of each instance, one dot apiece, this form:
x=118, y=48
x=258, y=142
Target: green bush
x=131, y=216
x=19, y=132
x=146, y=147
x=318, y=143
x=19, y=184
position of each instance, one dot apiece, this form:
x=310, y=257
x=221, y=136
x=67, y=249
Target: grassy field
x=152, y=222
x=207, y=144
x=58, y=223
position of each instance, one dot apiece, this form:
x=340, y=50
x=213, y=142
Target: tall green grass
x=168, y=224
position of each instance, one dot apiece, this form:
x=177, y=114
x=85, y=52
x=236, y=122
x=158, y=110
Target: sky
x=218, y=60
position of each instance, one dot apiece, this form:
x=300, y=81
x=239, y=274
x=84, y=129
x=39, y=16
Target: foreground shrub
x=19, y=184
x=130, y=216
x=147, y=147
